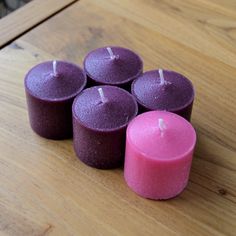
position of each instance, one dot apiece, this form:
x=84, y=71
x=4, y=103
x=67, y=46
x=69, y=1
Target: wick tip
x=161, y=124
x=54, y=65
x=111, y=54
x=101, y=93
x=162, y=78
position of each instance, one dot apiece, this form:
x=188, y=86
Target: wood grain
x=228, y=4
x=28, y=16
x=46, y=190
x=194, y=24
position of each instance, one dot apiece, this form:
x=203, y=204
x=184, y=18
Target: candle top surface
x=111, y=112
x=177, y=91
x=113, y=65
x=55, y=80
x=176, y=139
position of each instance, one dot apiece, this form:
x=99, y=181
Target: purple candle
x=100, y=118
x=50, y=90
x=164, y=90
x=112, y=66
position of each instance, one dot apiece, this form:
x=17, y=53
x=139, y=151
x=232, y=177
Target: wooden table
x=46, y=190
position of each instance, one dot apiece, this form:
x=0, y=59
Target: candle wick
x=111, y=54
x=162, y=126
x=162, y=79
x=54, y=66
x=101, y=93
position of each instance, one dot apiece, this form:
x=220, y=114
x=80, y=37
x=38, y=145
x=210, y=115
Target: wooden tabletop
x=46, y=190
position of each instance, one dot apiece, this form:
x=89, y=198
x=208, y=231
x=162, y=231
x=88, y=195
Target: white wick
x=112, y=55
x=54, y=66
x=161, y=77
x=161, y=125
x=101, y=93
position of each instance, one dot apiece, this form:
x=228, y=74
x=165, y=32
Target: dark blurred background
x=8, y=6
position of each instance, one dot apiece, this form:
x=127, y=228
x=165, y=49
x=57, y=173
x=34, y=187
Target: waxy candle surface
x=100, y=118
x=50, y=90
x=159, y=150
x=112, y=66
x=173, y=92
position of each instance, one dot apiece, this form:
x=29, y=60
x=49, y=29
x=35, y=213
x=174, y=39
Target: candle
x=159, y=150
x=112, y=66
x=100, y=118
x=50, y=90
x=164, y=90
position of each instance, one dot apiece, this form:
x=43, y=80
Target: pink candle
x=159, y=151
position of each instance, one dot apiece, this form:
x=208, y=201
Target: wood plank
x=28, y=16
x=195, y=24
x=46, y=190
x=230, y=5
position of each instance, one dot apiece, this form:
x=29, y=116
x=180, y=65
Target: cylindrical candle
x=112, y=66
x=100, y=118
x=50, y=90
x=164, y=90
x=159, y=150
